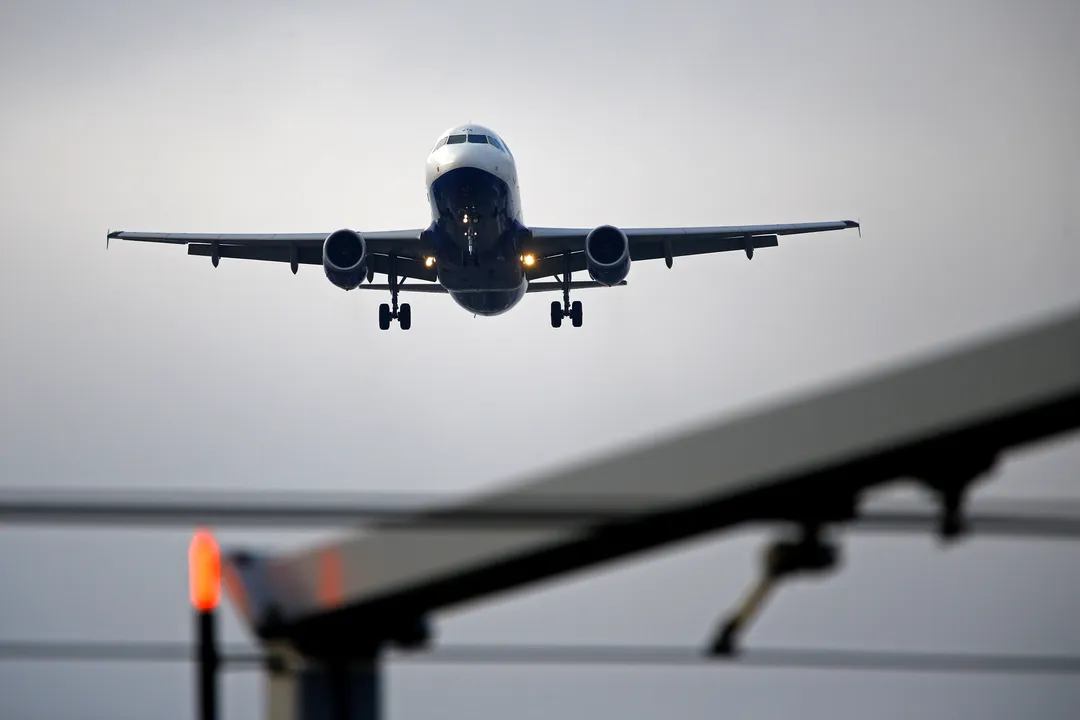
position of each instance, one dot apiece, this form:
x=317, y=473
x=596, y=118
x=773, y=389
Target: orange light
x=528, y=260
x=429, y=261
x=204, y=571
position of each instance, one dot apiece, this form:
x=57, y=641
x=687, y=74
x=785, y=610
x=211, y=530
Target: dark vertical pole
x=340, y=690
x=339, y=676
x=208, y=664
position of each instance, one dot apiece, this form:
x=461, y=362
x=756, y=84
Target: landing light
x=429, y=261
x=528, y=260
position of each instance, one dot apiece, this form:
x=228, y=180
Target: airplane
x=478, y=248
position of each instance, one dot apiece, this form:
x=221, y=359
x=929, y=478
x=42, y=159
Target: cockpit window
x=438, y=145
x=494, y=141
x=478, y=139
x=455, y=139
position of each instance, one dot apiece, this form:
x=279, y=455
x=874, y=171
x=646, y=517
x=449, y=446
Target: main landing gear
x=559, y=310
x=403, y=315
x=391, y=311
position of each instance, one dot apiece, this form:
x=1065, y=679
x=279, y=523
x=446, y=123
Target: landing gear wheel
x=566, y=308
x=391, y=312
x=575, y=313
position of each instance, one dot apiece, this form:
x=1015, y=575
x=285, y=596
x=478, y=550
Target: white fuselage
x=489, y=158
x=475, y=199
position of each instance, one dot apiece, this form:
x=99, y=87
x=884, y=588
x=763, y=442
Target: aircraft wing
x=298, y=248
x=550, y=245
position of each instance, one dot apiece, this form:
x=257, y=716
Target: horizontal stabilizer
x=405, y=287
x=436, y=288
x=557, y=286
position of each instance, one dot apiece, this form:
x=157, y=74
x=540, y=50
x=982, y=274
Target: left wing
x=298, y=248
x=550, y=245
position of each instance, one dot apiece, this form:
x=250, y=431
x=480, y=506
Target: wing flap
x=281, y=253
x=653, y=249
x=308, y=255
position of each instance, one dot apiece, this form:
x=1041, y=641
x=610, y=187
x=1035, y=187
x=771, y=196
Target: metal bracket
x=950, y=474
x=781, y=559
x=748, y=246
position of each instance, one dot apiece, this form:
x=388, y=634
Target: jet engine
x=607, y=255
x=345, y=259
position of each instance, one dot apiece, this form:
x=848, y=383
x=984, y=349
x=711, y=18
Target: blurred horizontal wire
x=580, y=655
x=1044, y=518
x=980, y=523
x=831, y=659
x=118, y=651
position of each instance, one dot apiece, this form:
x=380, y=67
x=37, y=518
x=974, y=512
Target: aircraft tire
x=556, y=314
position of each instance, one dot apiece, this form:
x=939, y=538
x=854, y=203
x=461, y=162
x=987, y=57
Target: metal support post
x=209, y=662
x=310, y=689
x=782, y=559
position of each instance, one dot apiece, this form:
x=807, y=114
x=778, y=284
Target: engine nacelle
x=345, y=258
x=607, y=255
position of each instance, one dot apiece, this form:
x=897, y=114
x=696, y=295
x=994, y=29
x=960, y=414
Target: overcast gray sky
x=948, y=128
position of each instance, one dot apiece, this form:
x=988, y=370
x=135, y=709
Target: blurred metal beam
x=943, y=421
x=1018, y=518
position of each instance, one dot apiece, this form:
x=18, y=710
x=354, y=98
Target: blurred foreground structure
x=325, y=617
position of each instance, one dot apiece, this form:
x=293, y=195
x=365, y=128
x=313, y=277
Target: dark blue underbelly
x=472, y=204
x=475, y=242
x=490, y=302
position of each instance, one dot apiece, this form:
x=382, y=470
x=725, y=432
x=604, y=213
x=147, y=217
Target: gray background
x=948, y=128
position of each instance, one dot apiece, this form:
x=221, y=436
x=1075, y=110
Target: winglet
x=854, y=224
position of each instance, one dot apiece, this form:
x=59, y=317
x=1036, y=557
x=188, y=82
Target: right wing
x=550, y=245
x=298, y=248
